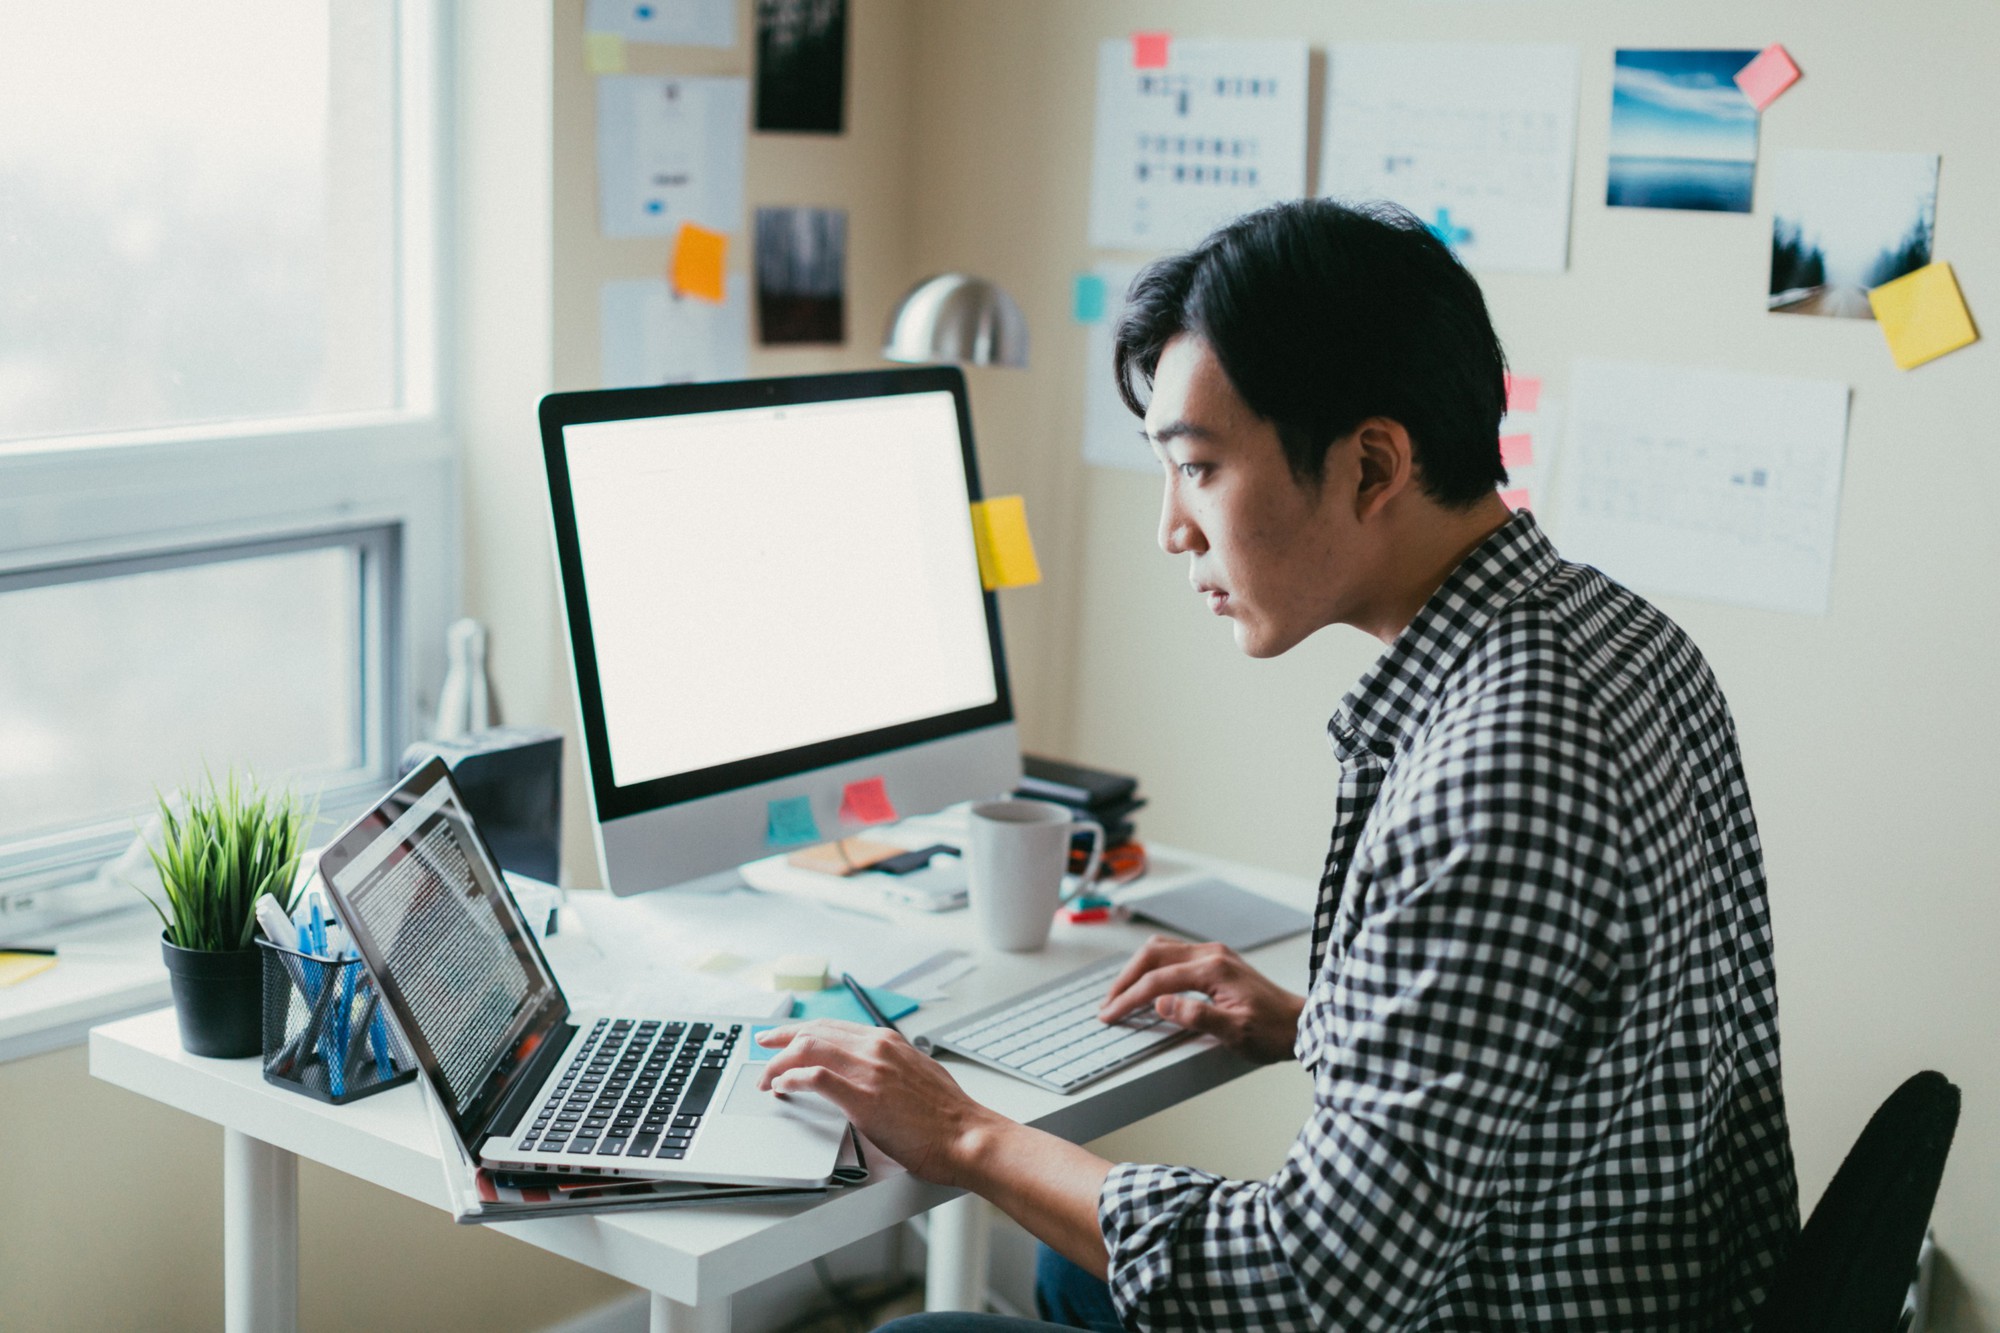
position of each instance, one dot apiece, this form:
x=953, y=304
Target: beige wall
x=1867, y=734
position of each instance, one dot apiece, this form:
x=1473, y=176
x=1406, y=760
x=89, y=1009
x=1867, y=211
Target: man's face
x=1264, y=550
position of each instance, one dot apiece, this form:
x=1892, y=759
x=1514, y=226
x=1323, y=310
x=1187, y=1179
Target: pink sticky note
x=1523, y=392
x=1149, y=50
x=866, y=802
x=1516, y=498
x=1517, y=451
x=1768, y=75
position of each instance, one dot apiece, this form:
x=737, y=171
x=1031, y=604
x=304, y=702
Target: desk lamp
x=956, y=317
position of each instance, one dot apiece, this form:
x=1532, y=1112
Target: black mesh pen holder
x=326, y=1033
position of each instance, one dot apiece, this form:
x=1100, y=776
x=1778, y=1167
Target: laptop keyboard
x=1051, y=1037
x=634, y=1089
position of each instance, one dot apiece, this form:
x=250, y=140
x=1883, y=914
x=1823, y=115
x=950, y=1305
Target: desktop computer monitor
x=772, y=592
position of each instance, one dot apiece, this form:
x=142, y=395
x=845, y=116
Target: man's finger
x=1160, y=981
x=819, y=1079
x=809, y=1046
x=1153, y=953
x=1192, y=1014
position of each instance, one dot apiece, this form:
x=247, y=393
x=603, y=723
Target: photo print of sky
x=1844, y=222
x=1683, y=135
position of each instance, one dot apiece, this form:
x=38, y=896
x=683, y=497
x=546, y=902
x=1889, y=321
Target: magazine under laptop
x=527, y=1086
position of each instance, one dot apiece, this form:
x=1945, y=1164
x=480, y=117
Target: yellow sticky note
x=18, y=967
x=604, y=53
x=1006, y=551
x=697, y=265
x=1922, y=315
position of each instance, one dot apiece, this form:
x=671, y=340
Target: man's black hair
x=1325, y=314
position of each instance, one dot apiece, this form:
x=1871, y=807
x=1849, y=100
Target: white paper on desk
x=1715, y=484
x=670, y=150
x=1477, y=140
x=672, y=22
x=1112, y=436
x=648, y=335
x=1221, y=130
x=639, y=933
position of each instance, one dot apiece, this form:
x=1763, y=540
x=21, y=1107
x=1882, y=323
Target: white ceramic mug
x=1017, y=852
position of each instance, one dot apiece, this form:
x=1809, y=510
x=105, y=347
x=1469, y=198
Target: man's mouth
x=1218, y=600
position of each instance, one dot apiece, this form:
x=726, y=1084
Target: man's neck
x=1434, y=542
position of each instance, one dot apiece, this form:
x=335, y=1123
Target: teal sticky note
x=1088, y=298
x=791, y=822
x=839, y=1002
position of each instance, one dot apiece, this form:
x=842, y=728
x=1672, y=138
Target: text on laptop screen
x=770, y=578
x=450, y=943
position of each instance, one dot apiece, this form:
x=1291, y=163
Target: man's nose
x=1178, y=533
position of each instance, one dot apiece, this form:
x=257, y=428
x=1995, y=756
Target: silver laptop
x=528, y=1085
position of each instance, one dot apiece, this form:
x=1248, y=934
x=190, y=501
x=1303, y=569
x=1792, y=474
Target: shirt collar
x=1388, y=705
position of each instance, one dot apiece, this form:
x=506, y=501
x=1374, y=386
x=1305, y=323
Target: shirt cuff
x=1141, y=1210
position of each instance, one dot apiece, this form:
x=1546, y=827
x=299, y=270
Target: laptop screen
x=435, y=923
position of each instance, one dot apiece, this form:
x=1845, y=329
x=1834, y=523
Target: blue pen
x=318, y=929
x=343, y=1018
x=378, y=1034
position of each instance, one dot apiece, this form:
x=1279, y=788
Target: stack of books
x=1109, y=798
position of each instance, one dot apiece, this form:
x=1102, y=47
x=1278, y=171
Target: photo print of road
x=801, y=65
x=1843, y=222
x=1683, y=135
x=801, y=275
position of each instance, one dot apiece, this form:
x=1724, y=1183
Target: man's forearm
x=1048, y=1185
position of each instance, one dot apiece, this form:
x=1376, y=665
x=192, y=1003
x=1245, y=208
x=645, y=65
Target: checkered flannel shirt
x=1542, y=1028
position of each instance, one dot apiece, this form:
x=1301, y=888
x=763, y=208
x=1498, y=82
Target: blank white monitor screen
x=774, y=577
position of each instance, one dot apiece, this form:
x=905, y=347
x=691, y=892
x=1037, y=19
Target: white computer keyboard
x=1050, y=1035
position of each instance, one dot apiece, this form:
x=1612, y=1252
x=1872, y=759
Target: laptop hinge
x=508, y=1113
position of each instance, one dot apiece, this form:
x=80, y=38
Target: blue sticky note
x=791, y=822
x=1088, y=298
x=839, y=1002
x=756, y=1052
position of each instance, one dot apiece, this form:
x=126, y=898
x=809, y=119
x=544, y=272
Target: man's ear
x=1387, y=464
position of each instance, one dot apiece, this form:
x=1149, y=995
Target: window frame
x=111, y=503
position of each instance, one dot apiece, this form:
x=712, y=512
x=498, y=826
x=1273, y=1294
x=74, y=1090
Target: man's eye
x=1193, y=471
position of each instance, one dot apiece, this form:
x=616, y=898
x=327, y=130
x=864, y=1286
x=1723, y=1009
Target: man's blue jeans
x=1064, y=1294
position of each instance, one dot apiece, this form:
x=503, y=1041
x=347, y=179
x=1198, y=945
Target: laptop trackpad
x=746, y=1098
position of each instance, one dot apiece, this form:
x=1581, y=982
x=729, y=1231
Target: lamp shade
x=958, y=318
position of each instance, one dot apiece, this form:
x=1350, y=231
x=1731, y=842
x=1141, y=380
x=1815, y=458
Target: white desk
x=692, y=1260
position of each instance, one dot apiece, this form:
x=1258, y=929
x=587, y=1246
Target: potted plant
x=229, y=846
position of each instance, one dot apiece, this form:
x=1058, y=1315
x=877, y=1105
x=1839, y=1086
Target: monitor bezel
x=561, y=410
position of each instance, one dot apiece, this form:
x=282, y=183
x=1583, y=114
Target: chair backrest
x=1854, y=1260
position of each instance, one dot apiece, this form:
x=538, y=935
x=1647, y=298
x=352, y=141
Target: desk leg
x=955, y=1275
x=260, y=1236
x=669, y=1316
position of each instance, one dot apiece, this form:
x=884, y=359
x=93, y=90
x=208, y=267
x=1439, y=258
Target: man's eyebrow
x=1178, y=429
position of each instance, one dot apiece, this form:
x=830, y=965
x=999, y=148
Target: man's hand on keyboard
x=1245, y=1010
x=902, y=1100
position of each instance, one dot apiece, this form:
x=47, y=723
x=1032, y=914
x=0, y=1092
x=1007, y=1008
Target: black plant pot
x=219, y=999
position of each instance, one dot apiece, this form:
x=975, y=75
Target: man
x=1541, y=1023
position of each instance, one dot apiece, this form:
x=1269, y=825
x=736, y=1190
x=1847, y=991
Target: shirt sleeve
x=1489, y=929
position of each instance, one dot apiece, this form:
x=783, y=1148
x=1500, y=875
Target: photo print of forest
x=1845, y=222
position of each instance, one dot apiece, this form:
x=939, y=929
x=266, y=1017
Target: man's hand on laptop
x=902, y=1100
x=1245, y=1010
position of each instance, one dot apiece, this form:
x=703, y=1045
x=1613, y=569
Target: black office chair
x=1851, y=1268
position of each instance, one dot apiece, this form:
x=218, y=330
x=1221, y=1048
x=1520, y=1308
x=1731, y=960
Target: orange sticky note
x=1516, y=498
x=866, y=802
x=1923, y=315
x=1768, y=75
x=604, y=53
x=1517, y=451
x=1523, y=393
x=1006, y=551
x=698, y=260
x=1149, y=50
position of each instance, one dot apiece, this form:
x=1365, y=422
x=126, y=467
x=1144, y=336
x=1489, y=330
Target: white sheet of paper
x=1181, y=150
x=647, y=335
x=1714, y=484
x=672, y=22
x=1477, y=140
x=670, y=150
x=1111, y=434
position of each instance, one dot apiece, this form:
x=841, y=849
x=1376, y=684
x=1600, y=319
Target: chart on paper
x=1706, y=483
x=1478, y=141
x=648, y=335
x=1192, y=133
x=669, y=151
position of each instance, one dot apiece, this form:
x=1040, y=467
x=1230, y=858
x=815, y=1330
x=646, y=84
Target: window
x=227, y=505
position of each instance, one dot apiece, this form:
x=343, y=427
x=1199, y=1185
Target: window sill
x=107, y=970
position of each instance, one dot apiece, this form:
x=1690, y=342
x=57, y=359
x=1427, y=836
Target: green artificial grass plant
x=233, y=843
